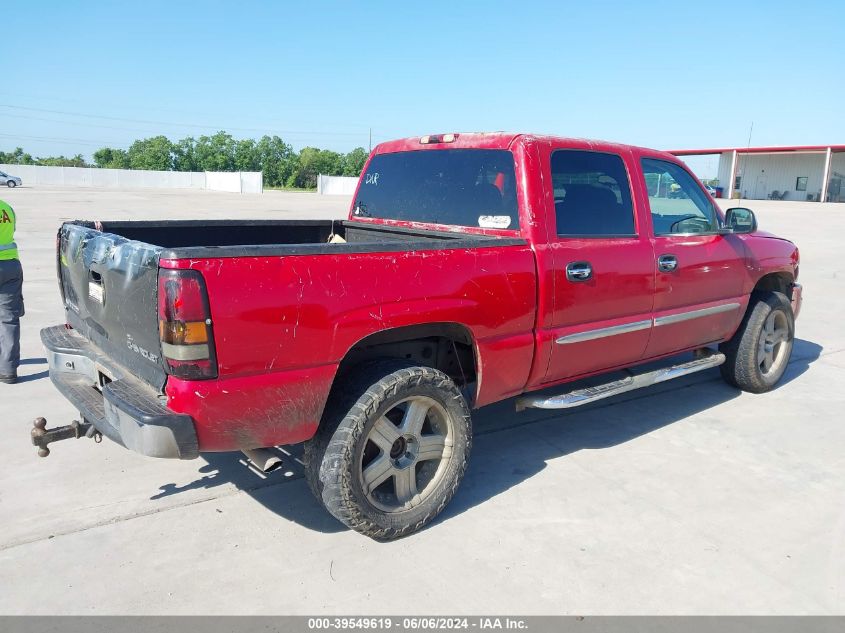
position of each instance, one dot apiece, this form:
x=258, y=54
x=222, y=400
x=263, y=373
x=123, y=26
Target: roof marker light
x=438, y=138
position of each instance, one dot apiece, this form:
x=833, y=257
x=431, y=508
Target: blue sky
x=660, y=74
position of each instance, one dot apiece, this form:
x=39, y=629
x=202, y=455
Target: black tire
x=745, y=365
x=11, y=184
x=337, y=457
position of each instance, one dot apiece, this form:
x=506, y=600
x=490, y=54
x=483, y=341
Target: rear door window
x=592, y=194
x=463, y=187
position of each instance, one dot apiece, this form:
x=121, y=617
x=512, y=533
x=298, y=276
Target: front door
x=761, y=191
x=602, y=266
x=700, y=274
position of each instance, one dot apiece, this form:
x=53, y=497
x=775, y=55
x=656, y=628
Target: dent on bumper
x=125, y=410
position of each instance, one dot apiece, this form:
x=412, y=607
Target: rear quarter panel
x=283, y=324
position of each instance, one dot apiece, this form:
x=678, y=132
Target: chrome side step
x=635, y=381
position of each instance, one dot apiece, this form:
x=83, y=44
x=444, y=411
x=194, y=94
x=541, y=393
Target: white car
x=710, y=190
x=11, y=181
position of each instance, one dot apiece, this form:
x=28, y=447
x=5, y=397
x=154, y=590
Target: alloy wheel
x=406, y=454
x=774, y=344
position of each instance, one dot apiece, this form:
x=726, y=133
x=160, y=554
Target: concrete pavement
x=687, y=498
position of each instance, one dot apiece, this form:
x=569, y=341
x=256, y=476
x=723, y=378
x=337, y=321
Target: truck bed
x=109, y=270
x=242, y=238
x=287, y=306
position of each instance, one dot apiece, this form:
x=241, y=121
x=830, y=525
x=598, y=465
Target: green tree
x=185, y=155
x=17, y=157
x=103, y=157
x=280, y=164
x=62, y=161
x=354, y=161
x=151, y=153
x=109, y=158
x=216, y=153
x=313, y=161
x=276, y=159
x=246, y=156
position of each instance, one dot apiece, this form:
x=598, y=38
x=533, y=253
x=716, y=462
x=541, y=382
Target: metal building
x=810, y=173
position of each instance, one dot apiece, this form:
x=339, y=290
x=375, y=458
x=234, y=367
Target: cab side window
x=592, y=194
x=678, y=204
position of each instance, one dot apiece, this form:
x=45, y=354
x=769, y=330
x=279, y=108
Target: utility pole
x=371, y=141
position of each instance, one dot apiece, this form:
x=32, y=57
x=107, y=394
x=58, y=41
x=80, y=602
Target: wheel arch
x=781, y=281
x=447, y=346
x=777, y=281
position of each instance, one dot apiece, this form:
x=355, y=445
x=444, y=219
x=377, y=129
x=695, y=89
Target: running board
x=636, y=381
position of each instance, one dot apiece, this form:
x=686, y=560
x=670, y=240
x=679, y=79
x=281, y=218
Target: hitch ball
x=38, y=432
x=41, y=435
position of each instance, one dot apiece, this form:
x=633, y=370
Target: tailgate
x=109, y=286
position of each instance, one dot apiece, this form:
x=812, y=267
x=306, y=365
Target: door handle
x=579, y=271
x=667, y=263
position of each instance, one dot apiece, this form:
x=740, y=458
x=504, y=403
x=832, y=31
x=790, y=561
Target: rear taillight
x=184, y=325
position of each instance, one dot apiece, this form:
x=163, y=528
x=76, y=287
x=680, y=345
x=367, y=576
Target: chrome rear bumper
x=119, y=405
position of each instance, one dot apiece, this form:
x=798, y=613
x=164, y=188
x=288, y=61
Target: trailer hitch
x=41, y=435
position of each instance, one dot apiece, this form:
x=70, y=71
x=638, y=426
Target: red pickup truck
x=472, y=268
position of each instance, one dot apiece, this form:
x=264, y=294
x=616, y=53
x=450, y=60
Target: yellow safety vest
x=8, y=248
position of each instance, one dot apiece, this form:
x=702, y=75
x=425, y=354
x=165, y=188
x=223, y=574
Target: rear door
x=700, y=275
x=109, y=285
x=602, y=265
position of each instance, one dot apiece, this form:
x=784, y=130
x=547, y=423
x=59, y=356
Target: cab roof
x=504, y=140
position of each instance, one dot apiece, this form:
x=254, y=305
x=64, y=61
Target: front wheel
x=757, y=355
x=390, y=456
x=11, y=184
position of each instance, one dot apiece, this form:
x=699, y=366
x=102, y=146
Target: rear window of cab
x=461, y=187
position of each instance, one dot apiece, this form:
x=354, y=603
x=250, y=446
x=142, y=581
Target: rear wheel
x=389, y=457
x=758, y=354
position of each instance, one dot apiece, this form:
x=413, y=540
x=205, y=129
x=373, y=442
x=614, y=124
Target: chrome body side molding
x=625, y=328
x=613, y=330
x=694, y=314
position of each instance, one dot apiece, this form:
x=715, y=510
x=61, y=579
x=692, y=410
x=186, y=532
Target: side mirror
x=739, y=220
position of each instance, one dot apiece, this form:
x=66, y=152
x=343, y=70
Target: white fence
x=236, y=181
x=336, y=185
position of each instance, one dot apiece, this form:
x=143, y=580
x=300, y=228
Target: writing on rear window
x=463, y=187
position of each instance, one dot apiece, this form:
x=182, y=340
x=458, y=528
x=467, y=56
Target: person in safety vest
x=11, y=297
